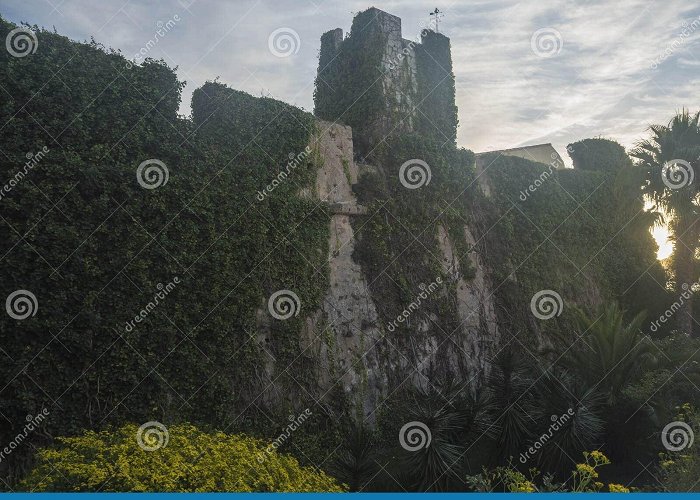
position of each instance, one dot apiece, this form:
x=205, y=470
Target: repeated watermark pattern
x=152, y=436
x=410, y=47
x=555, y=164
x=685, y=295
x=557, y=423
x=21, y=304
x=151, y=174
x=283, y=42
x=294, y=424
x=546, y=42
x=414, y=173
x=678, y=42
x=158, y=297
x=414, y=436
x=32, y=423
x=163, y=28
x=546, y=304
x=677, y=174
x=283, y=304
x=426, y=291
x=33, y=160
x=294, y=162
x=21, y=42
x=677, y=436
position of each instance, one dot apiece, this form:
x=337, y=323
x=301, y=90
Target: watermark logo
x=409, y=48
x=33, y=160
x=283, y=42
x=293, y=163
x=162, y=29
x=685, y=295
x=283, y=304
x=683, y=36
x=21, y=304
x=677, y=174
x=294, y=423
x=415, y=436
x=546, y=304
x=555, y=164
x=426, y=291
x=414, y=173
x=33, y=422
x=152, y=436
x=20, y=42
x=152, y=174
x=163, y=291
x=677, y=436
x=557, y=423
x=546, y=42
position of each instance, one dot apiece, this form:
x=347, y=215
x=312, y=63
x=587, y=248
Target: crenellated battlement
x=382, y=84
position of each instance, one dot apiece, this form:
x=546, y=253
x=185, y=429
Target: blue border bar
x=354, y=496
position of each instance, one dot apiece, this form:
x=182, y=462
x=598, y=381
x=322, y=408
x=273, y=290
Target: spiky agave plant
x=448, y=421
x=513, y=406
x=355, y=463
x=570, y=422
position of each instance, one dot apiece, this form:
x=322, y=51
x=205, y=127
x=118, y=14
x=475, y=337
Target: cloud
x=622, y=64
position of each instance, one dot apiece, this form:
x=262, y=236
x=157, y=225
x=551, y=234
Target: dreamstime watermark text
x=555, y=164
x=33, y=421
x=33, y=160
x=426, y=291
x=686, y=295
x=158, y=297
x=293, y=163
x=294, y=424
x=557, y=423
x=163, y=28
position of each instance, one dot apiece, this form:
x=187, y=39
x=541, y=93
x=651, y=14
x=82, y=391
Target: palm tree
x=611, y=350
x=673, y=188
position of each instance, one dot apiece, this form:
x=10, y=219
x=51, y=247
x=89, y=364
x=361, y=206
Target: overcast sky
x=527, y=72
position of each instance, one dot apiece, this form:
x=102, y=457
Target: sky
x=527, y=72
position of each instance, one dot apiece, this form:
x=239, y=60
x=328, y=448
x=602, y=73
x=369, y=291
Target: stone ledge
x=347, y=208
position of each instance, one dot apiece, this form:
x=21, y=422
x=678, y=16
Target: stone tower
x=382, y=84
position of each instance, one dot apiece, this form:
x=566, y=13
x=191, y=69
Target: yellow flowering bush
x=508, y=479
x=617, y=488
x=584, y=476
x=186, y=460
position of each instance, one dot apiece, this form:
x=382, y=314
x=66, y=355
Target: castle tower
x=382, y=84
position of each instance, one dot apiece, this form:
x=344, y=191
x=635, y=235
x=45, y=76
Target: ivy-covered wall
x=97, y=249
x=571, y=231
x=436, y=88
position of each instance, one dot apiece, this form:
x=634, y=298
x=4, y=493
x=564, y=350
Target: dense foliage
x=437, y=116
x=574, y=232
x=96, y=248
x=601, y=155
x=183, y=460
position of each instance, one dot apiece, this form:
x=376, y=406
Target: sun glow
x=660, y=234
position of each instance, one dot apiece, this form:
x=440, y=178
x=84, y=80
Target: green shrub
x=598, y=154
x=190, y=460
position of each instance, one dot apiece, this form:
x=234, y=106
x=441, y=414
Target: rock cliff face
x=349, y=341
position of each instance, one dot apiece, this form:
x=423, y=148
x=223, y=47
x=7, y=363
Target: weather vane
x=438, y=14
